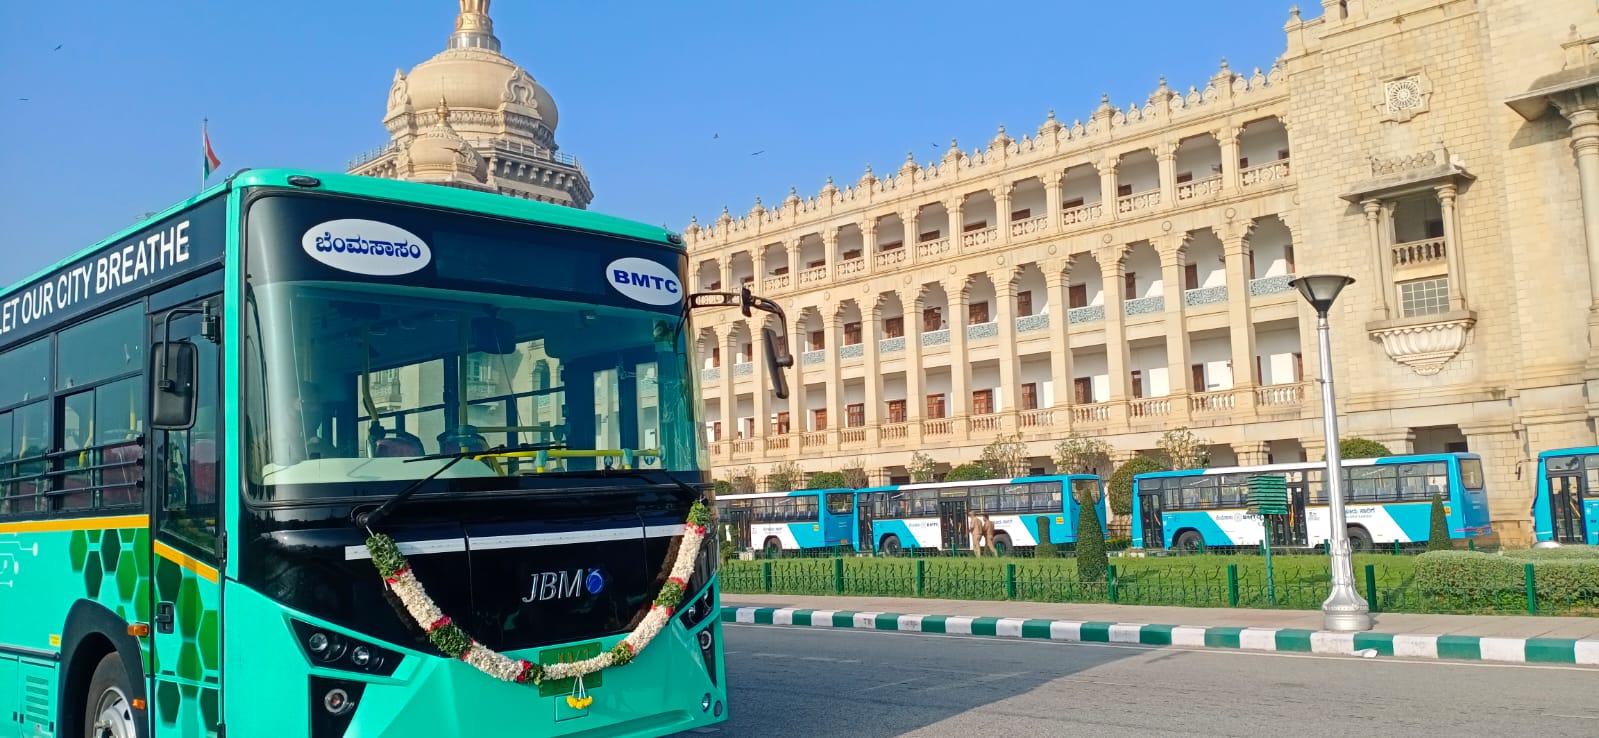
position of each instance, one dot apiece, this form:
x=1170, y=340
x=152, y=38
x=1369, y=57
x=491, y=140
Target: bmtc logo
x=642, y=280
x=564, y=585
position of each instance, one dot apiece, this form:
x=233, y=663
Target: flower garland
x=454, y=642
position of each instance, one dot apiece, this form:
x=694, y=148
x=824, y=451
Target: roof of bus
x=1574, y=451
x=980, y=482
x=1263, y=468
x=793, y=493
x=388, y=189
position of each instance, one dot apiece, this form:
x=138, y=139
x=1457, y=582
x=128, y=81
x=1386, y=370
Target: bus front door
x=1153, y=527
x=865, y=507
x=1292, y=530
x=1566, y=495
x=952, y=522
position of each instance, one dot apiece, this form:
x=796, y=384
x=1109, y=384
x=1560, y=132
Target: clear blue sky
x=111, y=125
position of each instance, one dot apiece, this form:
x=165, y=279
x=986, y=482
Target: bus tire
x=1359, y=539
x=890, y=546
x=772, y=548
x=1002, y=545
x=1188, y=540
x=108, y=707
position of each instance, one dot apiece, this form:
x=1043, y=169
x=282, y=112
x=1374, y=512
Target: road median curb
x=1290, y=640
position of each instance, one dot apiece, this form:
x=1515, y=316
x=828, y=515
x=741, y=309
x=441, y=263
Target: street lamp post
x=1344, y=610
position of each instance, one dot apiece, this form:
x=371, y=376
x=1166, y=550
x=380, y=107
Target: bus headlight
x=330, y=650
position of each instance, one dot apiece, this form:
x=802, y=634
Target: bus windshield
x=350, y=381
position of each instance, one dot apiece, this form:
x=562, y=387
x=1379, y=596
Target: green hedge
x=1562, y=579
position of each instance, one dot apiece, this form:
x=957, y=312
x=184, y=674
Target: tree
x=855, y=476
x=827, y=480
x=1092, y=563
x=1079, y=454
x=1121, y=482
x=1005, y=458
x=1438, y=538
x=922, y=468
x=1184, y=449
x=722, y=487
x=1360, y=448
x=785, y=477
x=967, y=473
x=744, y=482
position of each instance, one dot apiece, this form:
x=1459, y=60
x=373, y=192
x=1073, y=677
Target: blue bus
x=1566, y=507
x=932, y=517
x=801, y=520
x=1386, y=500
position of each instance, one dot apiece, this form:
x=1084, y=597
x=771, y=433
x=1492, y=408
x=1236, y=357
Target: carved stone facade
x=471, y=118
x=1127, y=273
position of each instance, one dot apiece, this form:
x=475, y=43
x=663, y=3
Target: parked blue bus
x=933, y=516
x=800, y=520
x=1386, y=500
x=1566, y=507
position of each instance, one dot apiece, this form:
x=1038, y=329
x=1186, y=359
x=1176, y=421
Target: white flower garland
x=454, y=642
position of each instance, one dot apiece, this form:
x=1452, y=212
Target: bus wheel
x=890, y=546
x=1359, y=540
x=773, y=548
x=1188, y=540
x=1002, y=544
x=108, y=712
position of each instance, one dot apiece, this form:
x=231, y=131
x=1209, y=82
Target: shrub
x=1119, y=543
x=1438, y=537
x=1092, y=563
x=1184, y=449
x=1005, y=458
x=785, y=477
x=722, y=487
x=1121, y=483
x=827, y=480
x=1360, y=448
x=922, y=468
x=967, y=473
x=1046, y=548
x=1079, y=454
x=1473, y=579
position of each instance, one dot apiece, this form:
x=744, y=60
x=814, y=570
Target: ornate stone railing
x=1028, y=323
x=1145, y=305
x=853, y=266
x=1212, y=402
x=1138, y=201
x=746, y=369
x=775, y=283
x=1152, y=407
x=777, y=443
x=891, y=345
x=813, y=439
x=895, y=432
x=1415, y=253
x=891, y=258
x=935, y=247
x=811, y=358
x=852, y=435
x=718, y=448
x=1036, y=418
x=852, y=351
x=1199, y=188
x=1270, y=285
x=937, y=427
x=983, y=423
x=982, y=330
x=1081, y=214
x=1029, y=226
x=713, y=373
x=1205, y=296
x=1098, y=412
x=981, y=237
x=1090, y=314
x=936, y=338
x=1280, y=395
x=745, y=446
x=813, y=275
x=1266, y=173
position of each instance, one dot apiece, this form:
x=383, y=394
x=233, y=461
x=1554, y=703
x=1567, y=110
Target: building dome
x=440, y=154
x=476, y=79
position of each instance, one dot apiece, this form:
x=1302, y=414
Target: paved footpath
x=1504, y=638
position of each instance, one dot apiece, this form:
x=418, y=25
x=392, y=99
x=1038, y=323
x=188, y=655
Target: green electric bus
x=206, y=418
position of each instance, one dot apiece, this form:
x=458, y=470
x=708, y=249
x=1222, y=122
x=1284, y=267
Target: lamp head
x=1320, y=290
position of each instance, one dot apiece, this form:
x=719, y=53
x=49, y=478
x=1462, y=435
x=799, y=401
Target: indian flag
x=211, y=160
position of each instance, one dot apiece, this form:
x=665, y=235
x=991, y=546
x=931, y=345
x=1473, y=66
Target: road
x=812, y=683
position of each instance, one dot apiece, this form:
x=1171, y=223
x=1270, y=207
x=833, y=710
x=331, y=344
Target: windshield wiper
x=367, y=520
x=634, y=473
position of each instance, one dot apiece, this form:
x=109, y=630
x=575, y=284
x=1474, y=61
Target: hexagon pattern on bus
x=116, y=568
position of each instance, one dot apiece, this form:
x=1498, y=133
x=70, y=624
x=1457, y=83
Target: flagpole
x=205, y=137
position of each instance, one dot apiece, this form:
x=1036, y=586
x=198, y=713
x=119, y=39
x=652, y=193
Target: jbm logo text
x=644, y=281
x=563, y=585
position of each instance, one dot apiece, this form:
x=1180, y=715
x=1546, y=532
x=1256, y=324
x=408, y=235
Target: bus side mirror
x=776, y=364
x=177, y=364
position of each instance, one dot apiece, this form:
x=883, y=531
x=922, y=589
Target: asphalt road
x=807, y=683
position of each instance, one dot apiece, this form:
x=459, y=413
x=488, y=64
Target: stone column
x=1002, y=195
x=729, y=397
x=1381, y=256
x=1010, y=384
x=797, y=409
x=1231, y=179
x=1107, y=185
x=960, y=370
x=1240, y=322
x=1116, y=358
x=1058, y=281
x=915, y=394
x=1052, y=194
x=1454, y=249
x=871, y=333
x=907, y=219
x=1251, y=454
x=1166, y=159
x=1583, y=113
x=1173, y=256
x=727, y=273
x=830, y=250
x=793, y=247
x=835, y=385
x=956, y=206
x=869, y=243
x=761, y=391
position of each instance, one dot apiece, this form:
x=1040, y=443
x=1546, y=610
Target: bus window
x=1044, y=496
x=925, y=502
x=1085, y=491
x=27, y=372
x=1556, y=464
x=1471, y=473
x=840, y=503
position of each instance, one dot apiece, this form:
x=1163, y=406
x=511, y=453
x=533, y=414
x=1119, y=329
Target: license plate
x=567, y=655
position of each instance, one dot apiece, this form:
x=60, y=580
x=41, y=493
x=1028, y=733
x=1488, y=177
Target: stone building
x=1127, y=273
x=471, y=118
